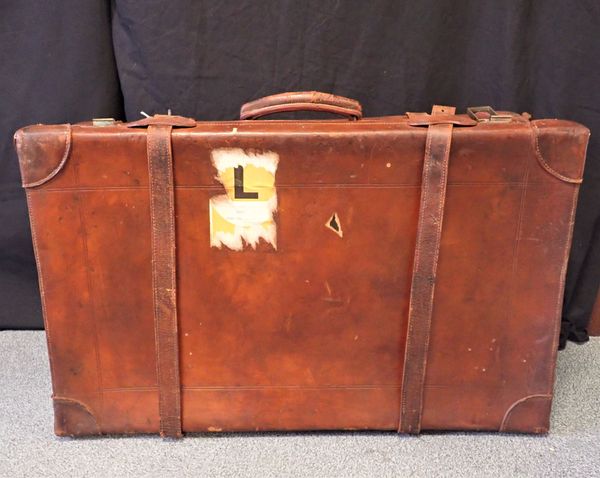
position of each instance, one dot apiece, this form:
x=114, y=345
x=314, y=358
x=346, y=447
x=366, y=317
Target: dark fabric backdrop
x=56, y=66
x=205, y=58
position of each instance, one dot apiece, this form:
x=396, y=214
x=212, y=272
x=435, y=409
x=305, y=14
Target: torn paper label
x=244, y=215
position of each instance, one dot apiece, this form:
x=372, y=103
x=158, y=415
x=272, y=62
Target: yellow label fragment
x=244, y=215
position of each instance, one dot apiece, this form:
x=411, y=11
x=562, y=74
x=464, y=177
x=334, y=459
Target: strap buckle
x=484, y=114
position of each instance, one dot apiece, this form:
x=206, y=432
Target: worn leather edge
x=506, y=424
x=38, y=264
x=561, y=287
x=37, y=166
x=519, y=405
x=543, y=157
x=73, y=418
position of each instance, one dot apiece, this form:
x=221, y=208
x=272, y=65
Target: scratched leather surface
x=310, y=336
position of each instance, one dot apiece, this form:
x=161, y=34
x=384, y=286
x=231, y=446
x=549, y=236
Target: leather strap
x=429, y=229
x=162, y=213
x=424, y=119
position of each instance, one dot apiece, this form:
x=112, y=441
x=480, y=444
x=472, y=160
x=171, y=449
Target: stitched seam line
x=42, y=291
x=517, y=241
x=561, y=289
x=207, y=187
x=172, y=253
x=263, y=387
x=250, y=387
x=149, y=146
x=100, y=383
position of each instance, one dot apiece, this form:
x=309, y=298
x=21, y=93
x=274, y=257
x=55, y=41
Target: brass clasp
x=487, y=113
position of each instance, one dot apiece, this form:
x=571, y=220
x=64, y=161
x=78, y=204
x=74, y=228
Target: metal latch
x=487, y=113
x=103, y=121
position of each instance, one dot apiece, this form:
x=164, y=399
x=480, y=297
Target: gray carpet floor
x=28, y=447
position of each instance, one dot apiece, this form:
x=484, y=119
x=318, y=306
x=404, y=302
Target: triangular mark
x=334, y=224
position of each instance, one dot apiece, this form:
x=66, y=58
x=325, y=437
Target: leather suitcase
x=397, y=273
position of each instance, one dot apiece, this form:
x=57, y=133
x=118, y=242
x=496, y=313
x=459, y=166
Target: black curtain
x=205, y=58
x=56, y=66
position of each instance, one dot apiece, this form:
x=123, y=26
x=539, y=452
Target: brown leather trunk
x=398, y=273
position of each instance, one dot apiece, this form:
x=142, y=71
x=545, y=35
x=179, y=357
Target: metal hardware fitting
x=148, y=116
x=489, y=114
x=103, y=121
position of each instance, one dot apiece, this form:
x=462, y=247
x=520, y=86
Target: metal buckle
x=493, y=117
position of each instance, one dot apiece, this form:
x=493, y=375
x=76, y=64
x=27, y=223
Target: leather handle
x=301, y=101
